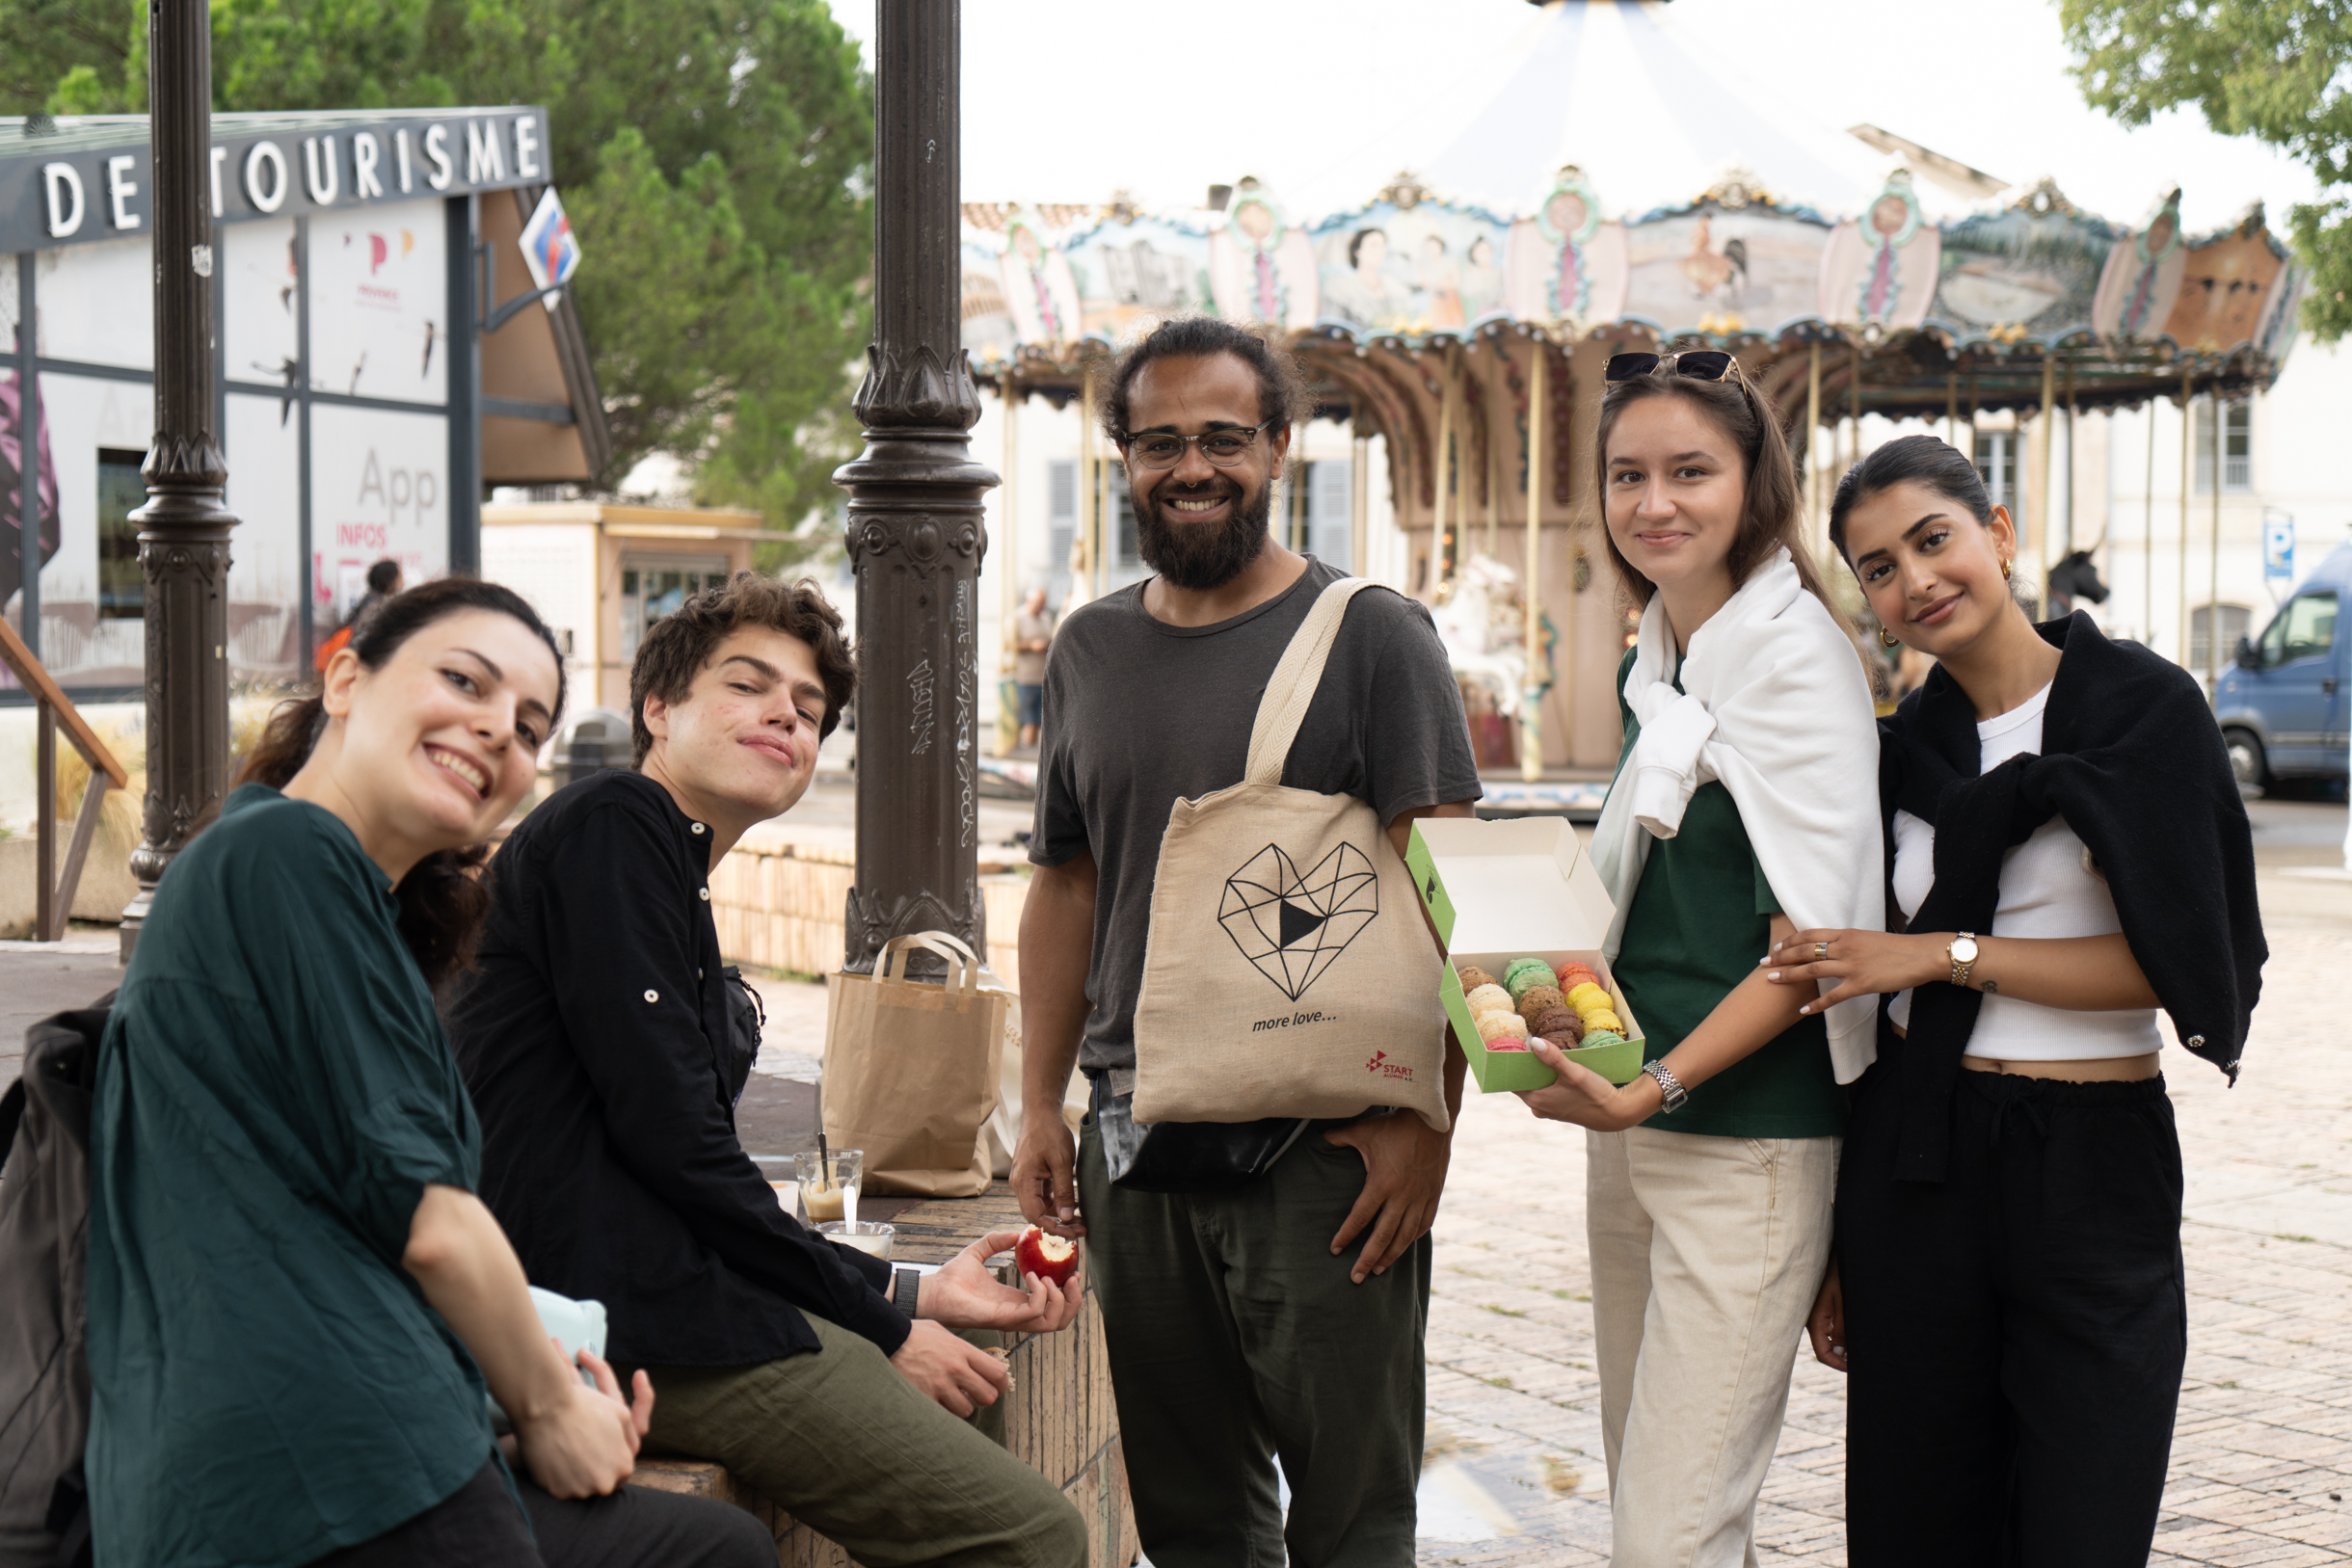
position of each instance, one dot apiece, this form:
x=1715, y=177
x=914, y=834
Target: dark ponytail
x=443, y=901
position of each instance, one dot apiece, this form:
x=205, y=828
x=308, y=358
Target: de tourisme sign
x=93, y=178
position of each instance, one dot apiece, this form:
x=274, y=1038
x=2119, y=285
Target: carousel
x=1459, y=320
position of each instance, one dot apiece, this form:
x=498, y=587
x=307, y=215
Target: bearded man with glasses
x=1264, y=1307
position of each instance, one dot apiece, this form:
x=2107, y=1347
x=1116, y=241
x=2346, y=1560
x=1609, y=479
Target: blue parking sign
x=2279, y=550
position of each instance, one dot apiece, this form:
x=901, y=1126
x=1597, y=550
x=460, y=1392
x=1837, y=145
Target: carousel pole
x=1812, y=440
x=184, y=525
x=1009, y=629
x=1359, y=476
x=2069, y=479
x=1531, y=716
x=916, y=533
x=2041, y=480
x=2214, y=567
x=1444, y=537
x=1495, y=462
x=1081, y=535
x=2189, y=442
x=1951, y=412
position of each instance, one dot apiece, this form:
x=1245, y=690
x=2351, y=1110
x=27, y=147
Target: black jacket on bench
x=593, y=1038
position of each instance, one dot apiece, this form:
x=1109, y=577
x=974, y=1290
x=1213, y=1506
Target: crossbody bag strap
x=1291, y=689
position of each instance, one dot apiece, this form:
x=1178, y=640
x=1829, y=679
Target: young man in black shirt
x=1283, y=1316
x=597, y=1038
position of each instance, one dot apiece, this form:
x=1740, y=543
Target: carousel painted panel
x=1262, y=265
x=2225, y=285
x=1133, y=271
x=1430, y=267
x=1881, y=269
x=2142, y=281
x=1724, y=271
x=2033, y=271
x=1040, y=291
x=1566, y=263
x=989, y=334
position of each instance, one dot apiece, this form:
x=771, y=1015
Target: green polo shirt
x=1701, y=917
x=273, y=1094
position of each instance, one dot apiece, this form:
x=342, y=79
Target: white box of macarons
x=1521, y=911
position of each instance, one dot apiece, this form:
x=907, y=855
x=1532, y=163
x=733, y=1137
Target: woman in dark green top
x=291, y=1283
x=1742, y=802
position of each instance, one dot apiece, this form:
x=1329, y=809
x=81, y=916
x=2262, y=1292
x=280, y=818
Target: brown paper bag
x=911, y=1071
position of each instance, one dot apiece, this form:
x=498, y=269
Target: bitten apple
x=1052, y=1259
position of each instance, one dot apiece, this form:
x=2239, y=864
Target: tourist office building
x=384, y=353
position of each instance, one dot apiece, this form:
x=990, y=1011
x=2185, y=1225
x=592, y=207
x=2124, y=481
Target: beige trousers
x=1707, y=1253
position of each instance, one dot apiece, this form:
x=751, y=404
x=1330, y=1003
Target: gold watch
x=1961, y=954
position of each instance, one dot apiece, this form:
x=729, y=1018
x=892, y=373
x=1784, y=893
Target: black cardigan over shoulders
x=2132, y=760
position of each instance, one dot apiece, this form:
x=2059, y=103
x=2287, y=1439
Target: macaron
x=1575, y=975
x=1601, y=1018
x=1507, y=1043
x=1594, y=1039
x=1559, y=1020
x=1490, y=1000
x=1559, y=1042
x=1495, y=1027
x=1537, y=1000
x=1473, y=977
x=1586, y=996
x=1525, y=975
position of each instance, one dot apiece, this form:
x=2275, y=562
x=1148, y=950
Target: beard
x=1197, y=556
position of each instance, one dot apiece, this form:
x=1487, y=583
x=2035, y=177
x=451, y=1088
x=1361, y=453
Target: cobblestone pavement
x=2261, y=1451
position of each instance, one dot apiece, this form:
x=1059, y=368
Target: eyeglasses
x=1700, y=364
x=1164, y=449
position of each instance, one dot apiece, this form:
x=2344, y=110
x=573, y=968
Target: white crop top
x=2048, y=890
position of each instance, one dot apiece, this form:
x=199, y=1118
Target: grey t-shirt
x=1140, y=714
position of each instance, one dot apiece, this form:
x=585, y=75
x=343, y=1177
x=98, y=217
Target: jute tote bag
x=1288, y=971
x=911, y=1071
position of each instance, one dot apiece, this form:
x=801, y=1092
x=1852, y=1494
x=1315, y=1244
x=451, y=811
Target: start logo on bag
x=1294, y=881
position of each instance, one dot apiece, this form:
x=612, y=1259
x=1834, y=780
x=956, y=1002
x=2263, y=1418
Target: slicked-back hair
x=1923, y=460
x=679, y=645
x=1771, y=514
x=1282, y=392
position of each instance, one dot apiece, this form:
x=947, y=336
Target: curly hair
x=443, y=902
x=1282, y=392
x=679, y=646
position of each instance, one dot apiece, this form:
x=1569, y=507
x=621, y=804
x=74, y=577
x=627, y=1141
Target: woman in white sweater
x=1734, y=815
x=2069, y=854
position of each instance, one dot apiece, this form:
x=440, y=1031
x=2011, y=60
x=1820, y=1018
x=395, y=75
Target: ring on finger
x=1821, y=951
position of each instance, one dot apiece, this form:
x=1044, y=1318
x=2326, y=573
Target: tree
x=716, y=157
x=2276, y=69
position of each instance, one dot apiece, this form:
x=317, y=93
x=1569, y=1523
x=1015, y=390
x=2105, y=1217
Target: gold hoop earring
x=1889, y=638
x=2005, y=568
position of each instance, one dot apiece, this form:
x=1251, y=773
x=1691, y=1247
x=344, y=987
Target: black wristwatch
x=906, y=1289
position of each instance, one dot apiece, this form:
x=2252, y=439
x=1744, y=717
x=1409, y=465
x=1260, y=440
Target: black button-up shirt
x=594, y=1037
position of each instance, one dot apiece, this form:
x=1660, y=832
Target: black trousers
x=478, y=1527
x=2016, y=1332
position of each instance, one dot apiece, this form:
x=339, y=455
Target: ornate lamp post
x=183, y=529
x=915, y=534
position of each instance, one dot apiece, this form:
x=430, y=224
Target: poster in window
x=378, y=492
x=378, y=289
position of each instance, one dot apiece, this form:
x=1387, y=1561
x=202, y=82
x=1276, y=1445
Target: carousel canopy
x=1604, y=182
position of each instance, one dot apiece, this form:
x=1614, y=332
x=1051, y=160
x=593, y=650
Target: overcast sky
x=1068, y=100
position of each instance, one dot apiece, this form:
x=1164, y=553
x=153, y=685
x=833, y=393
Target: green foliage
x=2276, y=69
x=716, y=157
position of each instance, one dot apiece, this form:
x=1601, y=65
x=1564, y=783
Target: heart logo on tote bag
x=1292, y=925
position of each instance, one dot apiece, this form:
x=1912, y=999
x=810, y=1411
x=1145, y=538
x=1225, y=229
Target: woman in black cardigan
x=2066, y=854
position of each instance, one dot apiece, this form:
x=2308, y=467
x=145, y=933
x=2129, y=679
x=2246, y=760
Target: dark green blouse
x=1701, y=917
x=274, y=1095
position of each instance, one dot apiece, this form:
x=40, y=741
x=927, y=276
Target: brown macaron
x=1537, y=1000
x=1557, y=1020
x=1473, y=977
x=1559, y=1042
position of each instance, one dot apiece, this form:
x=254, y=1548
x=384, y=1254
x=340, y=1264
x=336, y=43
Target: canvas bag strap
x=1291, y=689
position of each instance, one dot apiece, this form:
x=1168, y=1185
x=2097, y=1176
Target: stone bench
x=1059, y=1416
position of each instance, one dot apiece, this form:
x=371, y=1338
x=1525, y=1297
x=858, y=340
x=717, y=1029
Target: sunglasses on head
x=1700, y=364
